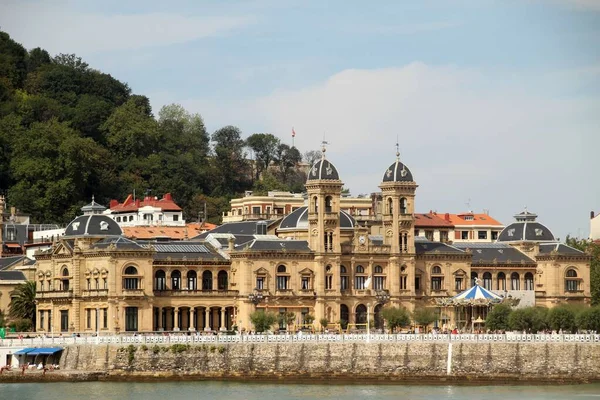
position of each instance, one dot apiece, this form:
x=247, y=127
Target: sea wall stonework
x=358, y=361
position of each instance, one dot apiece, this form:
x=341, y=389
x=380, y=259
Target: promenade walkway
x=193, y=338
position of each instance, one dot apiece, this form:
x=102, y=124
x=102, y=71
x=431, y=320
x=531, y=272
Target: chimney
x=447, y=217
x=113, y=203
x=592, y=216
x=167, y=196
x=231, y=243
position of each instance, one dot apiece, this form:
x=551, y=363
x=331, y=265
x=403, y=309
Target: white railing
x=159, y=338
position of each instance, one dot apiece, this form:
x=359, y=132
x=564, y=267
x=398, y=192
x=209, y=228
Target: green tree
x=324, y=322
x=593, y=249
x=424, y=316
x=264, y=146
x=529, y=319
x=37, y=57
x=22, y=304
x=263, y=321
x=562, y=318
x=311, y=157
x=589, y=319
x=395, y=317
x=287, y=158
x=230, y=169
x=267, y=183
x=497, y=318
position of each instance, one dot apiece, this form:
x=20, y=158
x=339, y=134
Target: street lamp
x=255, y=298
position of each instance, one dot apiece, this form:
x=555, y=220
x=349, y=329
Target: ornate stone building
x=316, y=261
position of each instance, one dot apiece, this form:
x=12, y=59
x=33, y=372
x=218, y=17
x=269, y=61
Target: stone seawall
x=428, y=362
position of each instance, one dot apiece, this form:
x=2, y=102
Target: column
x=192, y=319
x=207, y=319
x=160, y=326
x=223, y=325
x=176, y=319
x=97, y=321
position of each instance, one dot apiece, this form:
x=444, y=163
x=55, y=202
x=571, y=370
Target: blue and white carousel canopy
x=477, y=293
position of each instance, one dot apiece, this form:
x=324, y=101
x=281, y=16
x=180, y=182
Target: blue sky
x=493, y=101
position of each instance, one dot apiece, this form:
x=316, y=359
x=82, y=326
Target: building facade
x=317, y=262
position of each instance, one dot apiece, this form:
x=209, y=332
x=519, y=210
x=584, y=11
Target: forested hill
x=68, y=131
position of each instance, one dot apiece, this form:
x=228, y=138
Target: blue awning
x=44, y=351
x=24, y=351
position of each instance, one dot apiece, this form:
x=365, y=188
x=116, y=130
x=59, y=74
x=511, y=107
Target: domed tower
x=398, y=190
x=324, y=189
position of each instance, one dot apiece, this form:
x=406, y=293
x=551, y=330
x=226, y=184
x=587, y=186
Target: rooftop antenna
x=468, y=203
x=324, y=144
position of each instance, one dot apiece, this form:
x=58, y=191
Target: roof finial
x=525, y=209
x=92, y=198
x=323, y=147
x=397, y=149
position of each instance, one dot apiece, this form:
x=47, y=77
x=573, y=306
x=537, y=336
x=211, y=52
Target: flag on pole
x=367, y=283
x=293, y=133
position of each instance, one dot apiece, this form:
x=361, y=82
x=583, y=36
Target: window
x=494, y=235
x=344, y=315
x=305, y=282
x=328, y=204
x=131, y=319
x=359, y=280
x=64, y=320
x=464, y=235
x=514, y=281
x=97, y=283
x=417, y=283
x=344, y=283
x=501, y=284
x=260, y=282
x=281, y=269
x=487, y=281
x=329, y=282
x=207, y=283
x=378, y=269
x=88, y=318
x=481, y=235
x=42, y=313
x=105, y=318
x=315, y=204
x=361, y=314
x=571, y=282
x=529, y=281
x=130, y=283
x=176, y=280
x=458, y=283
x=403, y=206
x=42, y=285
x=429, y=235
x=65, y=281
x=436, y=283
x=403, y=278
x=89, y=284
x=175, y=217
x=192, y=280
x=282, y=282
x=379, y=282
x=443, y=236
x=160, y=281
x=360, y=269
x=390, y=207
x=222, y=280
x=436, y=270
x=105, y=283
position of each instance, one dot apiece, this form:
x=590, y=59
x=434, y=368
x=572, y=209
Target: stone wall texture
x=508, y=362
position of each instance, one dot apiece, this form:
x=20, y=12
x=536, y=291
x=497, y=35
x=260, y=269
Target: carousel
x=470, y=308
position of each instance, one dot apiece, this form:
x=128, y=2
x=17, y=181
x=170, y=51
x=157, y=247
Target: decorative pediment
x=306, y=271
x=261, y=271
x=459, y=271
x=62, y=250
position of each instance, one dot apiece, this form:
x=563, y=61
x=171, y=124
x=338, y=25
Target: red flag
x=293, y=133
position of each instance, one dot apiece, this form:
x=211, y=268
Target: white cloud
x=60, y=29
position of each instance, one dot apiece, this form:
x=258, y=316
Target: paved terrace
x=160, y=338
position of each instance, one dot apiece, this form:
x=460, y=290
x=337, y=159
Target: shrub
x=562, y=318
x=143, y=347
x=497, y=319
x=589, y=319
x=262, y=321
x=395, y=317
x=424, y=316
x=179, y=348
x=324, y=322
x=221, y=349
x=155, y=349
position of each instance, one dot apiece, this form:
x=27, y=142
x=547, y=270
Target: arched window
x=282, y=279
x=390, y=205
x=315, y=204
x=474, y=277
x=160, y=280
x=359, y=278
x=192, y=280
x=207, y=283
x=403, y=278
x=65, y=281
x=328, y=278
x=328, y=204
x=378, y=278
x=501, y=283
x=515, y=283
x=529, y=281
x=176, y=280
x=487, y=280
x=403, y=206
x=222, y=280
x=344, y=316
x=571, y=281
x=344, y=283
x=361, y=314
x=131, y=281
x=437, y=280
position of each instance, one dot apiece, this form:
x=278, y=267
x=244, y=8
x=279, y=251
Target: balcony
x=201, y=293
x=54, y=294
x=95, y=293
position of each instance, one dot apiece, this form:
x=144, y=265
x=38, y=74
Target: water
x=273, y=391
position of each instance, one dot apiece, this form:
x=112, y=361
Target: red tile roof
x=477, y=219
x=173, y=232
x=431, y=220
x=129, y=205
